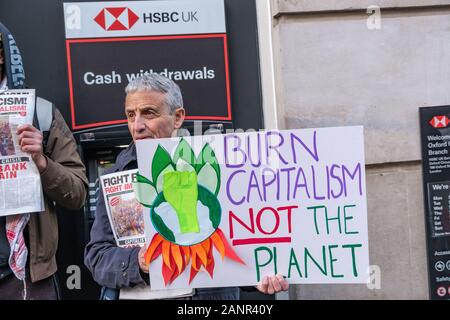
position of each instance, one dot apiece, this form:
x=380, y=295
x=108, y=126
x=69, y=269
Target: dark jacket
x=114, y=267
x=64, y=181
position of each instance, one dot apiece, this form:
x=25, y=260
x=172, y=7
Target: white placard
x=290, y=202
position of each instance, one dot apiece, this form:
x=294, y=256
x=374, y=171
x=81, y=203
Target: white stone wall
x=291, y=6
x=331, y=70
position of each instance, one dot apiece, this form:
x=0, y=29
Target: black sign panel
x=435, y=140
x=99, y=70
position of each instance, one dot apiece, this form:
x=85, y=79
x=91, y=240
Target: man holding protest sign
x=154, y=109
x=28, y=241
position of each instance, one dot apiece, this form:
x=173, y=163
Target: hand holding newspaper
x=20, y=181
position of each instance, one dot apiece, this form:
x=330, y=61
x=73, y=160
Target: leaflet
x=20, y=181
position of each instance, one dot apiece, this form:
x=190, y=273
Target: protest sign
x=20, y=182
x=226, y=210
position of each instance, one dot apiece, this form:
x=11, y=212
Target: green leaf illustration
x=210, y=200
x=182, y=165
x=141, y=178
x=184, y=152
x=161, y=160
x=207, y=177
x=144, y=190
x=145, y=193
x=207, y=155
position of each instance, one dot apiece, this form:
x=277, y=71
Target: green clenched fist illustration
x=180, y=190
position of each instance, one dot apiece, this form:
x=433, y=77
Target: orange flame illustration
x=176, y=258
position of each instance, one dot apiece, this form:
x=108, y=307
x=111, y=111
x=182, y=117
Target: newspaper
x=20, y=181
x=125, y=213
x=126, y=216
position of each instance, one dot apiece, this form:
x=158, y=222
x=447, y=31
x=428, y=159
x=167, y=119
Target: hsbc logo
x=88, y=20
x=439, y=122
x=116, y=19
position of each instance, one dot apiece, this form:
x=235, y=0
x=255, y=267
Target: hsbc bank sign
x=122, y=18
x=110, y=43
x=143, y=18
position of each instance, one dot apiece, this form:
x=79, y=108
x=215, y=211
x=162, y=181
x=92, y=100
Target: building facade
x=372, y=63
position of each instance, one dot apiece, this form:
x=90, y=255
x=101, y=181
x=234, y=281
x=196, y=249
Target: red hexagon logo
x=439, y=122
x=116, y=19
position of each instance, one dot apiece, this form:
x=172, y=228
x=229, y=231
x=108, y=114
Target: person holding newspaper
x=28, y=242
x=154, y=109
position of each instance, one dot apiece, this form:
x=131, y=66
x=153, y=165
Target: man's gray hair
x=159, y=83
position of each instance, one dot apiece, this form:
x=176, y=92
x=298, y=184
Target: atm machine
x=44, y=45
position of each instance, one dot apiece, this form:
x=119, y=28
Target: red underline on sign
x=239, y=242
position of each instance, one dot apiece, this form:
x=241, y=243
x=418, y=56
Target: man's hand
x=30, y=141
x=273, y=284
x=141, y=259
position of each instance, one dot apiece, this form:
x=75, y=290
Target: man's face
x=149, y=117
